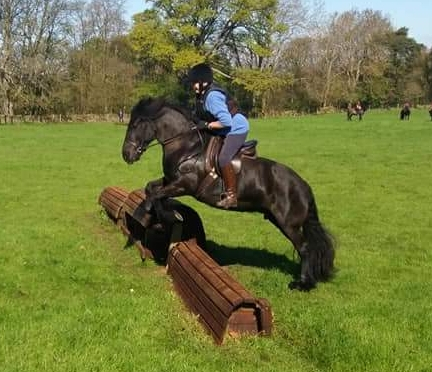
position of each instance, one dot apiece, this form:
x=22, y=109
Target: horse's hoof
x=301, y=286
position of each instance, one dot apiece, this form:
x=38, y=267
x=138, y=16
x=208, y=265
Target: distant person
x=430, y=110
x=121, y=115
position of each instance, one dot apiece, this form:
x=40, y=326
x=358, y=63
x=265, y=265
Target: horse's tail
x=320, y=245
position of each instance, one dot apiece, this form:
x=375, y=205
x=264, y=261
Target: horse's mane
x=151, y=107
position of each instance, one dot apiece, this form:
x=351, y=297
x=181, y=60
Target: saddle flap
x=212, y=154
x=249, y=148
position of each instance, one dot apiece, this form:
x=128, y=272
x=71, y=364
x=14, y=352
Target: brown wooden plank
x=265, y=316
x=215, y=300
x=111, y=208
x=114, y=199
x=133, y=201
x=137, y=196
x=217, y=336
x=244, y=295
x=114, y=202
x=116, y=192
x=193, y=301
x=224, y=275
x=207, y=266
x=188, y=280
x=208, y=282
x=129, y=206
x=244, y=321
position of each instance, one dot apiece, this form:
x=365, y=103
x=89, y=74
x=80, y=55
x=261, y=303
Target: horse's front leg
x=144, y=213
x=149, y=190
x=156, y=197
x=154, y=185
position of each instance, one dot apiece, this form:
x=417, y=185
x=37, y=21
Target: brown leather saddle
x=248, y=150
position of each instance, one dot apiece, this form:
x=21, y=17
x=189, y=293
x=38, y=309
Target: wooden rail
x=222, y=304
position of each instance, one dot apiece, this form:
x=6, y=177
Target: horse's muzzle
x=131, y=153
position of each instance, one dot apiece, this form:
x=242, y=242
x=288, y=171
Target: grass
x=72, y=299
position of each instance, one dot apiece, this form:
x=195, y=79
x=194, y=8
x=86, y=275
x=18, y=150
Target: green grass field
x=72, y=299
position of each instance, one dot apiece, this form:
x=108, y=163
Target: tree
x=352, y=53
x=32, y=40
x=403, y=54
x=428, y=75
x=174, y=35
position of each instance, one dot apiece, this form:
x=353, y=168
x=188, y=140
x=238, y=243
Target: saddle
x=248, y=150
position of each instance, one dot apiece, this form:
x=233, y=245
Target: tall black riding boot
x=229, y=197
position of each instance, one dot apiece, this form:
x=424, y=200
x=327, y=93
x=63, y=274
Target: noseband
x=141, y=147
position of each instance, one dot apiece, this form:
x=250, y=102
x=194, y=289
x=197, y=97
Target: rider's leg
x=230, y=147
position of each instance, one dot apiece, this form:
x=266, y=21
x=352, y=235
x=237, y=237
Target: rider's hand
x=201, y=124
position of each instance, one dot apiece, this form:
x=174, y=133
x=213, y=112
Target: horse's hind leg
x=306, y=281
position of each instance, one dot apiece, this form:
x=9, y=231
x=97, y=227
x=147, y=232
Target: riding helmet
x=201, y=73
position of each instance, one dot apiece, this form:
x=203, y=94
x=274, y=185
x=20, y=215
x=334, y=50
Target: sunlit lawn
x=72, y=299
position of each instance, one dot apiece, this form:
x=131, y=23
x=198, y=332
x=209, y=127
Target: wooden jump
x=151, y=237
x=112, y=199
x=223, y=305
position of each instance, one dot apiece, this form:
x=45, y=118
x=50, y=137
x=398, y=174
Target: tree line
x=71, y=58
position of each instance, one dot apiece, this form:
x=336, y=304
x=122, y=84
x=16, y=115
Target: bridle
x=141, y=147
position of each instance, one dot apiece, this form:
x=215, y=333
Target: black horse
x=355, y=111
x=405, y=113
x=263, y=185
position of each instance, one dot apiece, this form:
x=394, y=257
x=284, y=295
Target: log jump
x=150, y=236
x=223, y=306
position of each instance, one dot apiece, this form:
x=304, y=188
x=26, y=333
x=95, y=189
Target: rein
x=140, y=148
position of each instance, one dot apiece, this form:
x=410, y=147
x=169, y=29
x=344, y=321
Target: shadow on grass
x=245, y=256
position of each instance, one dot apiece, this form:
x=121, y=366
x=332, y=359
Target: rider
x=219, y=112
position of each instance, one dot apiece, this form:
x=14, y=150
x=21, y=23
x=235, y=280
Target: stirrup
x=228, y=200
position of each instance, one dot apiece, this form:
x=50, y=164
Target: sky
x=412, y=14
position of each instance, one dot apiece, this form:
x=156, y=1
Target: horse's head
x=154, y=118
x=141, y=130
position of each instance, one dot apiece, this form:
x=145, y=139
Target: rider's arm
x=215, y=125
x=215, y=103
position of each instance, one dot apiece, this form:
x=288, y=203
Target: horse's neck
x=186, y=142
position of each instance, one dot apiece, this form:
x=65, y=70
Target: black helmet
x=201, y=73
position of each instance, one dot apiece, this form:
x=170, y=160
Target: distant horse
x=264, y=186
x=355, y=111
x=405, y=113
